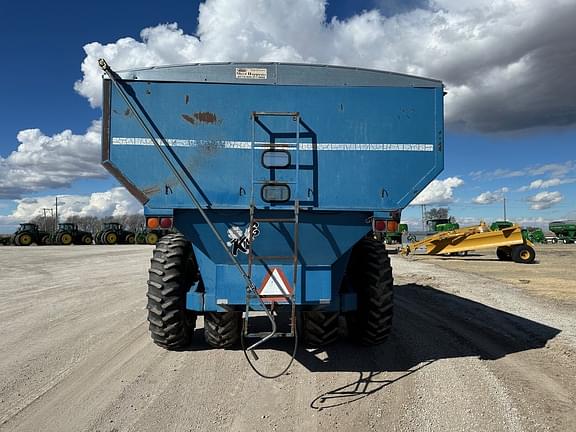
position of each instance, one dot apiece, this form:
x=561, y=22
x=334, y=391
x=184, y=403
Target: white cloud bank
x=438, y=192
x=507, y=64
x=544, y=200
x=43, y=162
x=114, y=202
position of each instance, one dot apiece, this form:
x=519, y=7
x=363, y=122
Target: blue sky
x=511, y=104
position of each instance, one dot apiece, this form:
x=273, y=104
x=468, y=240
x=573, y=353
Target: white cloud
x=114, y=202
x=438, y=192
x=497, y=173
x=544, y=200
x=556, y=170
x=458, y=42
x=489, y=197
x=545, y=184
x=42, y=162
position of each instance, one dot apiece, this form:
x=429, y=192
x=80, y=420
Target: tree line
x=92, y=224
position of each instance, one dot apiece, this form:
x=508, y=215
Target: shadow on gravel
x=429, y=325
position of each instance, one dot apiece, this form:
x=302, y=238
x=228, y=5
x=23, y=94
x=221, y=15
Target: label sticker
x=252, y=73
x=240, y=239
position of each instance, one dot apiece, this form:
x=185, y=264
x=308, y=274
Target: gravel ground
x=470, y=351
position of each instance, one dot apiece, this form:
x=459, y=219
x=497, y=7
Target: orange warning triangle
x=275, y=286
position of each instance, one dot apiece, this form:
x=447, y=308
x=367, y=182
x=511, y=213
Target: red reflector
x=392, y=226
x=166, y=222
x=379, y=225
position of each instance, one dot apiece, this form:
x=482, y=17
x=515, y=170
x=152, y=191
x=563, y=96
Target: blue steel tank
x=282, y=180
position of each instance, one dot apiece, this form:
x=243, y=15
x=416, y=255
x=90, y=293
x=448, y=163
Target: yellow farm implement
x=509, y=243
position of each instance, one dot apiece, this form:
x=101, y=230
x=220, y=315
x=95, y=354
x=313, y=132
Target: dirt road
x=468, y=353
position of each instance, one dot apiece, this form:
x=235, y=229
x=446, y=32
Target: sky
x=508, y=67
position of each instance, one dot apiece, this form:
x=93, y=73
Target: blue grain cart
x=282, y=180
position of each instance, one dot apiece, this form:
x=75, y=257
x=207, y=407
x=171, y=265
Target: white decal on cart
x=248, y=145
x=240, y=239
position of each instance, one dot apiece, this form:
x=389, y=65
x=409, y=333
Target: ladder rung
x=272, y=296
x=275, y=114
x=274, y=220
x=274, y=257
x=278, y=182
x=264, y=334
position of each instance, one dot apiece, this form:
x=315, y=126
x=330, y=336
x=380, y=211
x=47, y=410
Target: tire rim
x=25, y=239
x=87, y=240
x=66, y=239
x=152, y=239
x=111, y=238
x=525, y=255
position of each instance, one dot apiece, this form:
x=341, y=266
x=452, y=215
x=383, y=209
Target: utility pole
x=423, y=207
x=56, y=217
x=45, y=221
x=505, y=208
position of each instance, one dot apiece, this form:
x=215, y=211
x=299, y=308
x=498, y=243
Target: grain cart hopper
x=565, y=230
x=278, y=177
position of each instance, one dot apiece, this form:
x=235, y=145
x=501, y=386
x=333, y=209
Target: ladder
x=290, y=216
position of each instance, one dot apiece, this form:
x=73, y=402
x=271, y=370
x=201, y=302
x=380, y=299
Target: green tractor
x=29, y=233
x=150, y=237
x=113, y=233
x=499, y=225
x=440, y=225
x=535, y=235
x=565, y=230
x=68, y=233
x=395, y=237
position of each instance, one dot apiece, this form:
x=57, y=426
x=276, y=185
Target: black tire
x=504, y=253
x=320, y=328
x=523, y=254
x=86, y=239
x=130, y=239
x=370, y=274
x=170, y=276
x=222, y=329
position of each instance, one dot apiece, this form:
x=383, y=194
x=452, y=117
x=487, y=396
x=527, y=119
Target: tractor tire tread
x=222, y=329
x=371, y=274
x=320, y=328
x=171, y=325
